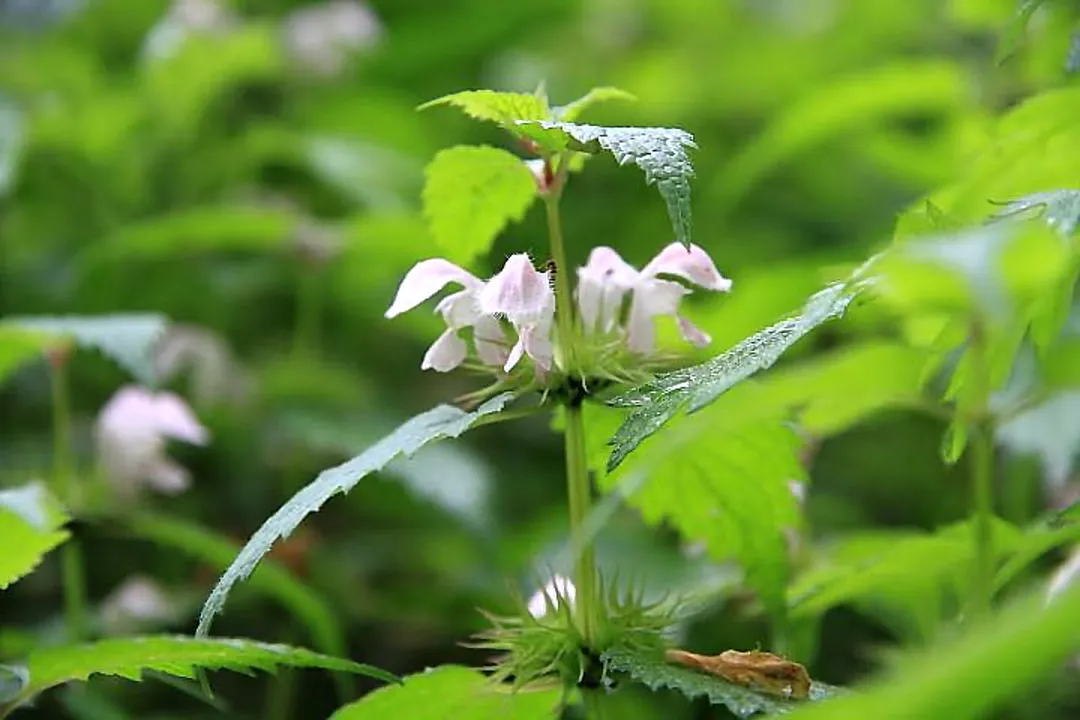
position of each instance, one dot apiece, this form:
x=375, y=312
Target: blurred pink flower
x=606, y=279
x=558, y=589
x=132, y=430
x=320, y=37
x=137, y=603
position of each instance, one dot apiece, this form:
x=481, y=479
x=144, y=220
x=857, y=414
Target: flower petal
x=694, y=265
x=446, y=353
x=602, y=283
x=424, y=280
x=460, y=309
x=167, y=477
x=490, y=341
x=692, y=333
x=652, y=298
x=558, y=590
x=173, y=419
x=520, y=292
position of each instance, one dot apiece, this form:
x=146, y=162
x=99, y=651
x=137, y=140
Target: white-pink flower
x=606, y=279
x=132, y=430
x=523, y=295
x=519, y=293
x=557, y=591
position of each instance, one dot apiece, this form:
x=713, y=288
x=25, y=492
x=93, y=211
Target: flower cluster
x=522, y=296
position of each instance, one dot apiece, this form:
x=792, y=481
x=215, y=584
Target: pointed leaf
x=652, y=671
x=126, y=339
x=572, y=110
x=659, y=152
x=444, y=421
x=130, y=657
x=451, y=692
x=31, y=524
x=470, y=195
x=660, y=399
x=504, y=108
x=18, y=346
x=969, y=676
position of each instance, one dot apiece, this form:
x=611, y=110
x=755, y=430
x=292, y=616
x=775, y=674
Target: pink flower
x=606, y=279
x=557, y=591
x=523, y=295
x=132, y=430
x=519, y=293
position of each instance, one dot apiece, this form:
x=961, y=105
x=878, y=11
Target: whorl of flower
x=523, y=296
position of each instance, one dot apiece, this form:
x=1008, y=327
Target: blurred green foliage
x=263, y=191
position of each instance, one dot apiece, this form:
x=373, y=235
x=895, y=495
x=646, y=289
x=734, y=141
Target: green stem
x=579, y=492
x=982, y=476
x=982, y=470
x=578, y=486
x=73, y=573
x=564, y=299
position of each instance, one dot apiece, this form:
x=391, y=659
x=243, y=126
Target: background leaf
x=30, y=526
x=452, y=692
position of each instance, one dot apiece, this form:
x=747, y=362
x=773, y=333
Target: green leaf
x=900, y=577
x=1060, y=209
x=451, y=692
x=31, y=524
x=127, y=339
x=505, y=108
x=444, y=421
x=659, y=400
x=11, y=143
x=971, y=675
x=129, y=658
x=1056, y=530
x=18, y=346
x=571, y=111
x=470, y=194
x=269, y=578
x=659, y=152
x=722, y=477
x=652, y=671
x=837, y=111
x=1016, y=28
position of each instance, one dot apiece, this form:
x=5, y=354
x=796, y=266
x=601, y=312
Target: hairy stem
x=578, y=486
x=73, y=574
x=579, y=492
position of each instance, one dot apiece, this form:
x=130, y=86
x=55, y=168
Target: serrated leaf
x=659, y=400
x=269, y=578
x=470, y=194
x=505, y=108
x=652, y=671
x=1060, y=209
x=31, y=523
x=126, y=339
x=1016, y=28
x=444, y=421
x=659, y=152
x=722, y=477
x=179, y=656
x=451, y=692
x=573, y=110
x=971, y=675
